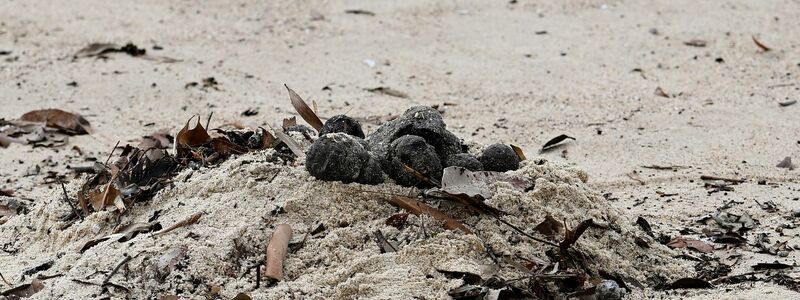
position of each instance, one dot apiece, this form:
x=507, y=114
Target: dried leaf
x=771, y=266
x=661, y=93
x=55, y=118
x=397, y=220
x=786, y=163
x=518, y=151
x=554, y=142
x=572, y=235
x=690, y=283
x=385, y=245
x=242, y=296
x=550, y=227
x=289, y=122
x=419, y=208
x=302, y=108
x=761, y=45
x=192, y=137
x=695, y=43
x=127, y=233
x=24, y=291
x=100, y=198
x=388, y=91
x=224, y=146
x=290, y=142
x=698, y=245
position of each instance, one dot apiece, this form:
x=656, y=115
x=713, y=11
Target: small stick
x=112, y=152
x=711, y=177
x=276, y=252
x=66, y=198
x=188, y=221
x=208, y=121
x=6, y=281
x=116, y=269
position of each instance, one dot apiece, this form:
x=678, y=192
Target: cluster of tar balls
x=417, y=139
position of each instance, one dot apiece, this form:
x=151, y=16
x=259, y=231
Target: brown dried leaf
x=418, y=208
x=25, y=290
x=555, y=141
x=518, y=151
x=761, y=45
x=698, y=245
x=99, y=199
x=65, y=121
x=302, y=108
x=661, y=93
x=571, y=236
x=224, y=146
x=194, y=137
x=289, y=122
x=550, y=227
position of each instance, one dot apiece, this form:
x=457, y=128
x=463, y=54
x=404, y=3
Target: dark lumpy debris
x=343, y=124
x=499, y=158
x=466, y=161
x=421, y=121
x=415, y=152
x=341, y=157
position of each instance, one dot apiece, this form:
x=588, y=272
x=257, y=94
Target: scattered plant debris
x=695, y=43
x=360, y=12
x=552, y=143
x=419, y=208
x=185, y=222
x=24, y=291
x=302, y=108
x=787, y=103
x=387, y=91
x=661, y=93
x=690, y=283
x=761, y=45
x=100, y=50
x=682, y=242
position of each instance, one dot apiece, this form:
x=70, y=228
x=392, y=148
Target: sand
x=508, y=83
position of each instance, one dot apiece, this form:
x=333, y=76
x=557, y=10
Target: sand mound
x=245, y=198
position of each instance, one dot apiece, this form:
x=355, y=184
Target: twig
x=276, y=252
x=115, y=270
x=208, y=121
x=112, y=152
x=417, y=208
x=711, y=177
x=6, y=281
x=66, y=198
x=523, y=232
x=188, y=221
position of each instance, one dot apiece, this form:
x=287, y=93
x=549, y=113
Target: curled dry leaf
x=302, y=108
x=289, y=122
x=419, y=208
x=518, y=151
x=571, y=235
x=192, y=137
x=550, y=227
x=698, y=245
x=552, y=143
x=24, y=291
x=661, y=93
x=65, y=121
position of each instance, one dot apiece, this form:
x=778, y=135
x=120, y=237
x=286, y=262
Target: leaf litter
x=140, y=173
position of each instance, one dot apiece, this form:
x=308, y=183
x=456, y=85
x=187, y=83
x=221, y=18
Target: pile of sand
x=246, y=197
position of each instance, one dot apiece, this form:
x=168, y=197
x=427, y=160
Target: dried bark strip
x=276, y=251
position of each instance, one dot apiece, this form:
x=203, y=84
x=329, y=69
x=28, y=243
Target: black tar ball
x=415, y=152
x=499, y=158
x=342, y=157
x=343, y=124
x=464, y=160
